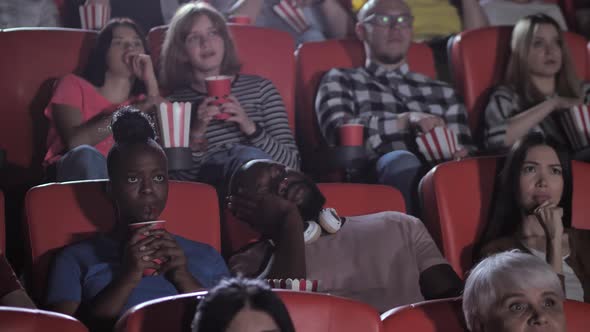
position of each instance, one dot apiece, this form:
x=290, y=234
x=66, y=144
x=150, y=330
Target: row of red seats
x=456, y=197
x=310, y=312
x=478, y=61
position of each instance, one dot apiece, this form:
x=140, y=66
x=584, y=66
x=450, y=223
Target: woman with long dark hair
x=119, y=72
x=532, y=212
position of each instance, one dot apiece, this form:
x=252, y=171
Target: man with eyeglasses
x=392, y=102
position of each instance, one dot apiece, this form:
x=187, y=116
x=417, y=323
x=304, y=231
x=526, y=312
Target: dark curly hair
x=129, y=126
x=223, y=303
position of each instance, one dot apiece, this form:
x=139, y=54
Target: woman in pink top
x=119, y=72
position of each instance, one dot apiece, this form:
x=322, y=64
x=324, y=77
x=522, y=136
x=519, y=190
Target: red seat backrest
x=457, y=197
x=31, y=59
x=314, y=59
x=447, y=316
x=349, y=199
x=2, y=223
x=30, y=320
x=59, y=214
x=172, y=313
x=310, y=312
x=479, y=60
x=313, y=312
x=429, y=316
x=263, y=52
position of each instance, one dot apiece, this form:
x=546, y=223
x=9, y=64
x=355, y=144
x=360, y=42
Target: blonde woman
x=539, y=81
x=198, y=45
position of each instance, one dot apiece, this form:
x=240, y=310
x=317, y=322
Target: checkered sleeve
x=502, y=105
x=455, y=117
x=337, y=103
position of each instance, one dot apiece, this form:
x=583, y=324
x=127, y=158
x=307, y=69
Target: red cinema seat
x=30, y=320
x=172, y=313
x=2, y=224
x=479, y=60
x=59, y=214
x=314, y=59
x=349, y=199
x=310, y=312
x=30, y=62
x=313, y=312
x=456, y=198
x=447, y=316
x=264, y=52
x=581, y=195
x=429, y=316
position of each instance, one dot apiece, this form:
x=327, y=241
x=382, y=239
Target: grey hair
x=511, y=270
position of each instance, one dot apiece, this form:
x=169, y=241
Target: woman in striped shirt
x=198, y=45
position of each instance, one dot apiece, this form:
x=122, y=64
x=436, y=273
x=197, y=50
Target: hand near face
x=425, y=122
x=550, y=216
x=139, y=253
x=264, y=212
x=141, y=65
x=238, y=116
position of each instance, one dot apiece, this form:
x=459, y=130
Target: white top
x=573, y=286
x=505, y=12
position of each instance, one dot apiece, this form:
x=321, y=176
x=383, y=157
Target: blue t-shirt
x=82, y=270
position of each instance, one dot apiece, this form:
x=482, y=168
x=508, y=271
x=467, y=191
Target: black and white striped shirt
x=264, y=105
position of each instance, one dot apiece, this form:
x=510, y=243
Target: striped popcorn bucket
x=439, y=144
x=576, y=122
x=291, y=13
x=302, y=285
x=174, y=122
x=94, y=16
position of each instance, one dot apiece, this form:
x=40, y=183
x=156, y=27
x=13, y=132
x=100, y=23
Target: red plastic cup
x=219, y=87
x=240, y=19
x=157, y=224
x=352, y=134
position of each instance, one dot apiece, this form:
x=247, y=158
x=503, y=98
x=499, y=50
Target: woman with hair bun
x=98, y=279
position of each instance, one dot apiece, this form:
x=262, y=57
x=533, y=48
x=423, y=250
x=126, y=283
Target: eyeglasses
x=390, y=21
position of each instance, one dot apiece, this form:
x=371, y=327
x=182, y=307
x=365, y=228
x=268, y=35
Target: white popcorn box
x=439, y=144
x=302, y=285
x=94, y=16
x=291, y=13
x=576, y=122
x=174, y=121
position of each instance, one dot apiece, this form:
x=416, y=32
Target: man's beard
x=387, y=59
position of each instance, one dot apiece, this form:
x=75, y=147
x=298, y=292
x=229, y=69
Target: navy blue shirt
x=82, y=270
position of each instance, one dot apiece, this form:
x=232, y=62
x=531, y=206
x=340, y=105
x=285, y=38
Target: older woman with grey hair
x=513, y=291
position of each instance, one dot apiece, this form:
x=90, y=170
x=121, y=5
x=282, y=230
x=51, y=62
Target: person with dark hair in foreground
x=119, y=72
x=532, y=212
x=385, y=259
x=242, y=305
x=100, y=278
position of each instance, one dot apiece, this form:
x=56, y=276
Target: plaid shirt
x=375, y=96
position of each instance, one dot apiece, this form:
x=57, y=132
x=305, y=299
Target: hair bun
x=130, y=125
